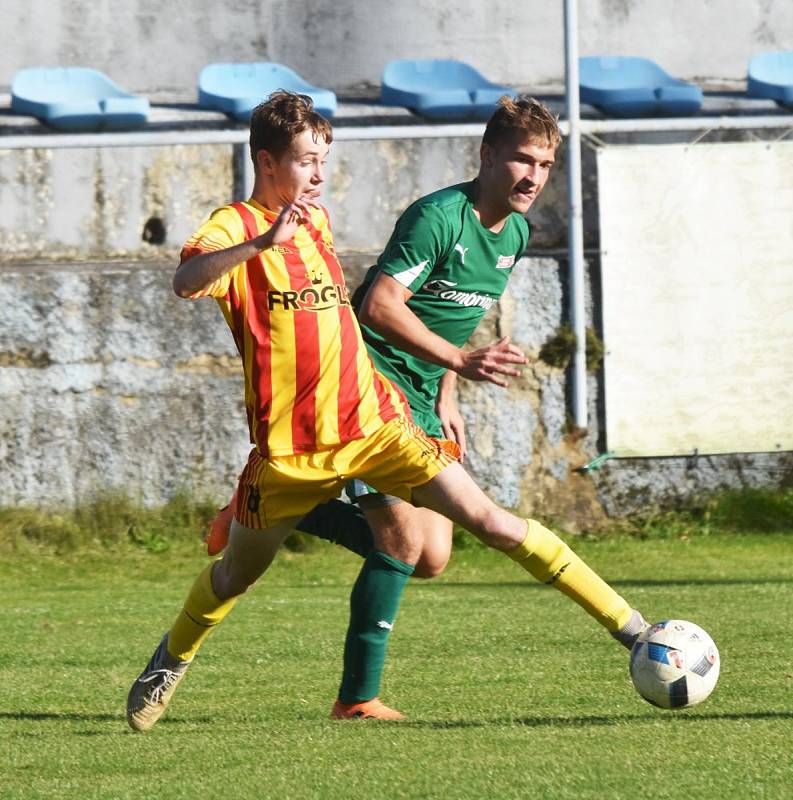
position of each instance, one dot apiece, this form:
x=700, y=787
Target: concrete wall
x=159, y=48
x=96, y=203
x=100, y=204
x=107, y=380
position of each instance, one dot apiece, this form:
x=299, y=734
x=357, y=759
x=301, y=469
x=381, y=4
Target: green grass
x=511, y=691
x=113, y=522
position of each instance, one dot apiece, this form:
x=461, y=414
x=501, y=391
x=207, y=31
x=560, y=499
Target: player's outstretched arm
x=202, y=270
x=385, y=311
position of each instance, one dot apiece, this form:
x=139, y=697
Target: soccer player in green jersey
x=447, y=262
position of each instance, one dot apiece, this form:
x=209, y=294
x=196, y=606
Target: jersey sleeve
x=223, y=229
x=419, y=242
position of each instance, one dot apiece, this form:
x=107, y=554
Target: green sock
x=341, y=523
x=373, y=607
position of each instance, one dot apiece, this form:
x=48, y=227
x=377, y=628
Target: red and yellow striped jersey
x=309, y=382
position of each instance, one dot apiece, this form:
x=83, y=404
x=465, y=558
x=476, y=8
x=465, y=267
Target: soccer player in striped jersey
x=320, y=415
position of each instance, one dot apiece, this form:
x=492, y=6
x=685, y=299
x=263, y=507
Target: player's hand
x=289, y=220
x=452, y=423
x=492, y=362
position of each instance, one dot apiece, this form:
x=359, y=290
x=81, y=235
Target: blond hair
x=525, y=115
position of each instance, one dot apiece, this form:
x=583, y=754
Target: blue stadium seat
x=76, y=99
x=771, y=77
x=628, y=86
x=440, y=89
x=236, y=89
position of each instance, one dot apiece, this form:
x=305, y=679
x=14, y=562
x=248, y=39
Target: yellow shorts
x=395, y=459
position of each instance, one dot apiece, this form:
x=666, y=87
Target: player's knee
x=499, y=529
x=228, y=583
x=394, y=542
x=435, y=552
x=226, y=589
x=430, y=567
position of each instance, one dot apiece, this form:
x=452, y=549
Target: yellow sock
x=202, y=611
x=545, y=556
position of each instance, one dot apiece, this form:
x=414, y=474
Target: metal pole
x=575, y=224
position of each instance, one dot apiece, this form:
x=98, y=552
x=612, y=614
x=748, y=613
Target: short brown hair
x=280, y=118
x=524, y=114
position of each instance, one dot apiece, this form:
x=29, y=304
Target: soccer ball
x=674, y=664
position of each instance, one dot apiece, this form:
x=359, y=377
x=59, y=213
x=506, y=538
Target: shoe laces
x=160, y=681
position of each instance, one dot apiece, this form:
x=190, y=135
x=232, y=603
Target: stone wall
x=109, y=381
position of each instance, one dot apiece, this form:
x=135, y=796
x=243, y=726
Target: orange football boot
x=218, y=536
x=368, y=709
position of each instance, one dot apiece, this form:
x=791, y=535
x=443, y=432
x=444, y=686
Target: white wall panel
x=697, y=261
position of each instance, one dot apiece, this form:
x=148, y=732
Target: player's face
x=299, y=170
x=516, y=171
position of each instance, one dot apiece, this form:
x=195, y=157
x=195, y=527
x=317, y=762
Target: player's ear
x=486, y=155
x=265, y=162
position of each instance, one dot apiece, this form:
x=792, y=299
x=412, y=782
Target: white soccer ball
x=674, y=664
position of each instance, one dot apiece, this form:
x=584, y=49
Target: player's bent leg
x=249, y=553
x=209, y=602
x=217, y=588
x=334, y=521
x=538, y=550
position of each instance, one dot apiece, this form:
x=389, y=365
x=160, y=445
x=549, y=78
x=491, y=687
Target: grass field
x=511, y=691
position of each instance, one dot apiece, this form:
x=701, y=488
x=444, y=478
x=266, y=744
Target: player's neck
x=491, y=214
x=265, y=195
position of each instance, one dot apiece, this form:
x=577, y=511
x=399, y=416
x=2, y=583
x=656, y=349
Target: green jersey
x=456, y=269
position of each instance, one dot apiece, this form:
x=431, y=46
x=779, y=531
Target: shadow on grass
x=74, y=716
x=529, y=583
x=591, y=721
x=599, y=721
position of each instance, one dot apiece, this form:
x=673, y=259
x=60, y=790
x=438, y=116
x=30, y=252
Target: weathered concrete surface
x=99, y=204
x=142, y=203
x=107, y=380
x=345, y=44
x=96, y=203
